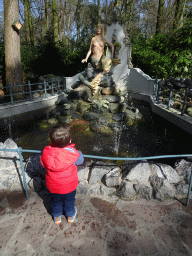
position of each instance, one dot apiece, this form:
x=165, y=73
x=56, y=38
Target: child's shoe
x=57, y=220
x=71, y=219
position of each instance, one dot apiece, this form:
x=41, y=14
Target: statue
x=101, y=59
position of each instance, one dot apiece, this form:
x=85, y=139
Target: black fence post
x=11, y=95
x=30, y=91
x=52, y=87
x=184, y=101
x=45, y=88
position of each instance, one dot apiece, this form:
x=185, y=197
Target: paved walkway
x=101, y=227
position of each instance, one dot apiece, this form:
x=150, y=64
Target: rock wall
x=10, y=169
x=130, y=181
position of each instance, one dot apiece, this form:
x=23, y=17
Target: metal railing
x=20, y=150
x=163, y=87
x=29, y=92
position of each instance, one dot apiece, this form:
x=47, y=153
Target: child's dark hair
x=60, y=135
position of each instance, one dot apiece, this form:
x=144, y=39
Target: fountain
x=117, y=137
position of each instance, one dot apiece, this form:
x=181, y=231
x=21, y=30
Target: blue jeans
x=63, y=203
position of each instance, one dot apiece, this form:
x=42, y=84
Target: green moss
x=106, y=130
x=120, y=162
x=44, y=124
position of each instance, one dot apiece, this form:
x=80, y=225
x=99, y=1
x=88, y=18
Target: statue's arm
x=112, y=47
x=88, y=54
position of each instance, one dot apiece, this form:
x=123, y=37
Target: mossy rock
x=44, y=125
x=189, y=111
x=129, y=122
x=83, y=106
x=80, y=127
x=53, y=121
x=89, y=133
x=64, y=119
x=106, y=130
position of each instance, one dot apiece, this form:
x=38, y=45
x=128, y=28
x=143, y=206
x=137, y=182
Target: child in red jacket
x=60, y=160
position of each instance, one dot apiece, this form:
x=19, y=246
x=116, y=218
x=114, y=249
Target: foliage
x=47, y=58
x=163, y=55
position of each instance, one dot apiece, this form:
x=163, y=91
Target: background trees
x=56, y=34
x=13, y=68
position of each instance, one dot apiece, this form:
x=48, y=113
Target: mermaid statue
x=100, y=58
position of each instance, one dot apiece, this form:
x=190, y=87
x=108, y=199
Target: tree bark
x=160, y=16
x=28, y=22
x=46, y=15
x=99, y=11
x=128, y=13
x=55, y=22
x=179, y=12
x=13, y=69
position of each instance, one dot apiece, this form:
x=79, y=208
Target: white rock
x=167, y=172
x=107, y=191
x=98, y=171
x=126, y=190
x=183, y=168
x=83, y=188
x=112, y=178
x=95, y=190
x=166, y=191
x=143, y=190
x=83, y=172
x=182, y=188
x=140, y=173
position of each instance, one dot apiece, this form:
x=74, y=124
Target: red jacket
x=61, y=173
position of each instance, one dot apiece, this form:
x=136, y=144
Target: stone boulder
x=9, y=160
x=126, y=190
x=140, y=173
x=83, y=172
x=98, y=171
x=112, y=98
x=167, y=172
x=83, y=106
x=114, y=107
x=91, y=116
x=183, y=168
x=162, y=188
x=11, y=176
x=143, y=191
x=67, y=112
x=107, y=191
x=182, y=189
x=63, y=102
x=112, y=178
x=95, y=189
x=83, y=188
x=189, y=111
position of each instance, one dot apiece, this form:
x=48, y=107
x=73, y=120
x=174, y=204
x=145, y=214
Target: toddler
x=60, y=160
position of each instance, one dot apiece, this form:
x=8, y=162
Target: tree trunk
x=128, y=14
x=28, y=22
x=78, y=17
x=55, y=22
x=179, y=12
x=46, y=15
x=13, y=70
x=99, y=11
x=160, y=16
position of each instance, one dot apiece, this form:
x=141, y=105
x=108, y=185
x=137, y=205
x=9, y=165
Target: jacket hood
x=57, y=159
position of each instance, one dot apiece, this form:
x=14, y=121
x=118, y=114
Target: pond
x=149, y=136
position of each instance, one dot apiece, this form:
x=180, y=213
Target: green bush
x=164, y=55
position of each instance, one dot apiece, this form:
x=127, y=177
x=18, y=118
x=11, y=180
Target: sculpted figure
x=100, y=56
x=96, y=50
